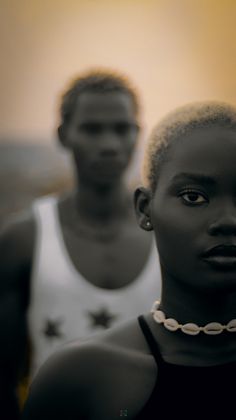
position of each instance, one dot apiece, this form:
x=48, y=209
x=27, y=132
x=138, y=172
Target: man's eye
x=193, y=197
x=91, y=128
x=124, y=128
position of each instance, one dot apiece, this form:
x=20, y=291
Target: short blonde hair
x=177, y=123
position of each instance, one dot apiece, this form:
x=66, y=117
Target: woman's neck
x=188, y=307
x=197, y=306
x=199, y=350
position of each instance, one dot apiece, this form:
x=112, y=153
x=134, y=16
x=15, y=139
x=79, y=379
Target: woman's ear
x=142, y=200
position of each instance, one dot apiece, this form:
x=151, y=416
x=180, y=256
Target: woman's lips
x=221, y=261
x=221, y=256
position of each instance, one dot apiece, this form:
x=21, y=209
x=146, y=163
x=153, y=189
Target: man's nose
x=110, y=145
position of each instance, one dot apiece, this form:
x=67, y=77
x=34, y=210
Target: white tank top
x=64, y=305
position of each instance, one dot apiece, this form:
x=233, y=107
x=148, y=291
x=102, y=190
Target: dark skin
x=117, y=372
x=101, y=136
x=102, y=201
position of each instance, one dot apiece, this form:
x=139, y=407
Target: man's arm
x=16, y=253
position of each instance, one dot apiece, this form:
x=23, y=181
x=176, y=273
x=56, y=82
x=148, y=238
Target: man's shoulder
x=18, y=224
x=22, y=223
x=17, y=240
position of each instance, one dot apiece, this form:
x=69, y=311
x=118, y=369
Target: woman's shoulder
x=97, y=375
x=124, y=344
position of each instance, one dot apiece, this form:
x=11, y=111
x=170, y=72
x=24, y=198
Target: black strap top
x=187, y=392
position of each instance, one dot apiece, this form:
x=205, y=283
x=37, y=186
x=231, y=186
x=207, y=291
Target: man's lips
x=108, y=165
x=222, y=256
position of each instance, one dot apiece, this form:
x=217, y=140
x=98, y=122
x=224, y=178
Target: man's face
x=193, y=210
x=102, y=134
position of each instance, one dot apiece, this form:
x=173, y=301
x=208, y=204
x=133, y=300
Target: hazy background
x=174, y=50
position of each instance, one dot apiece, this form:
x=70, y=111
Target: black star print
x=101, y=318
x=52, y=329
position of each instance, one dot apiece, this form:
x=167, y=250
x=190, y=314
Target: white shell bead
x=190, y=328
x=155, y=306
x=231, y=326
x=159, y=317
x=213, y=328
x=171, y=324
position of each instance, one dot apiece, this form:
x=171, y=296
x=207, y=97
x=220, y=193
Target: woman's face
x=193, y=210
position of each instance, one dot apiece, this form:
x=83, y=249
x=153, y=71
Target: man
x=78, y=264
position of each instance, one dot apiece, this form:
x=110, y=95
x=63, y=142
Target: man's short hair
x=96, y=81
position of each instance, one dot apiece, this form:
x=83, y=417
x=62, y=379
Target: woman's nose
x=225, y=224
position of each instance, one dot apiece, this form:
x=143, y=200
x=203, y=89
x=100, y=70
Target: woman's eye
x=193, y=197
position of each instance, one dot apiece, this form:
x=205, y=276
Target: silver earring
x=148, y=224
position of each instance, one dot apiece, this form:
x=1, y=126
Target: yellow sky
x=174, y=50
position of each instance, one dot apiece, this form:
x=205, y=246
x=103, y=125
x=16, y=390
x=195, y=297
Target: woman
x=179, y=360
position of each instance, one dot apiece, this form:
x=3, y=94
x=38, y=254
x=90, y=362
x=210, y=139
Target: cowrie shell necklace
x=213, y=328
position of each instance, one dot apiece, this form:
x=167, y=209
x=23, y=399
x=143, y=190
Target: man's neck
x=102, y=204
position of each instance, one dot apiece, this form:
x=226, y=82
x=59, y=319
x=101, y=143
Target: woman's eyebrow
x=198, y=178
